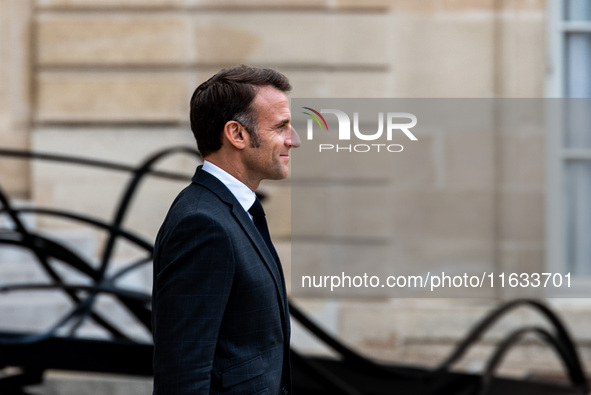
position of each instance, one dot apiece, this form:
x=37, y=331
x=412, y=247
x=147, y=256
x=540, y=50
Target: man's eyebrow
x=281, y=123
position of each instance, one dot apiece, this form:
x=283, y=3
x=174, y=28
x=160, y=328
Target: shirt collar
x=241, y=192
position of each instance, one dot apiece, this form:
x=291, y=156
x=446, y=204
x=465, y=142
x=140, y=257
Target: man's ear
x=236, y=135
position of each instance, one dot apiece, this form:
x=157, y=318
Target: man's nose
x=293, y=139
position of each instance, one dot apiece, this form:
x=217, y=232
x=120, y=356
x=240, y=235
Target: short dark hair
x=228, y=96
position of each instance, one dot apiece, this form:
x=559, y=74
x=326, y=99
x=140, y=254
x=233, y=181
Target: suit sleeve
x=192, y=283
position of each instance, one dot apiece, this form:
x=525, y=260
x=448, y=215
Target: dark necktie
x=258, y=217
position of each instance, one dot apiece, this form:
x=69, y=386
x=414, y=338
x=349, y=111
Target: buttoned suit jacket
x=220, y=311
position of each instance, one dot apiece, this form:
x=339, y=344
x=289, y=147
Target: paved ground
x=65, y=383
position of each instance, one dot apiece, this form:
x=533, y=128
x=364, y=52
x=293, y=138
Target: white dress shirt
x=241, y=192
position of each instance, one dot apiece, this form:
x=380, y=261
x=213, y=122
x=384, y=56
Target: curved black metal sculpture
x=350, y=374
x=44, y=249
x=35, y=352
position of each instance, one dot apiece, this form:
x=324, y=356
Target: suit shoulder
x=196, y=213
x=196, y=207
x=197, y=200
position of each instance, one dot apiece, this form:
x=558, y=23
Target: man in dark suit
x=220, y=313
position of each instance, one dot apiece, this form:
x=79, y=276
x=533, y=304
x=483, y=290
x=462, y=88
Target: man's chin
x=280, y=175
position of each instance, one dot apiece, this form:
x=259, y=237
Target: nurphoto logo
x=394, y=123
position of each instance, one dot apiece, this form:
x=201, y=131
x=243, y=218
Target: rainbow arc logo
x=315, y=116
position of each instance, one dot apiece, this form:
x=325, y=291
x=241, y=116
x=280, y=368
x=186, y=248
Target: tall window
x=576, y=16
x=570, y=180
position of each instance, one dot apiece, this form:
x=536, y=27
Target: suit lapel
x=216, y=186
x=257, y=240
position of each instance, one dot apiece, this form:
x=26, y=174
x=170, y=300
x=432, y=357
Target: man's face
x=271, y=158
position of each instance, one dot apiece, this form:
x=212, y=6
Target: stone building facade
x=111, y=79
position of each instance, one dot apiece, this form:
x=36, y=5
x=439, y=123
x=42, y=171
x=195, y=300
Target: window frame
x=557, y=154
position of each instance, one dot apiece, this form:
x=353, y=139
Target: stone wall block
x=320, y=39
x=470, y=159
x=451, y=42
x=524, y=54
x=341, y=211
x=448, y=214
x=68, y=4
x=112, y=97
x=217, y=4
x=522, y=216
x=524, y=159
x=122, y=39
